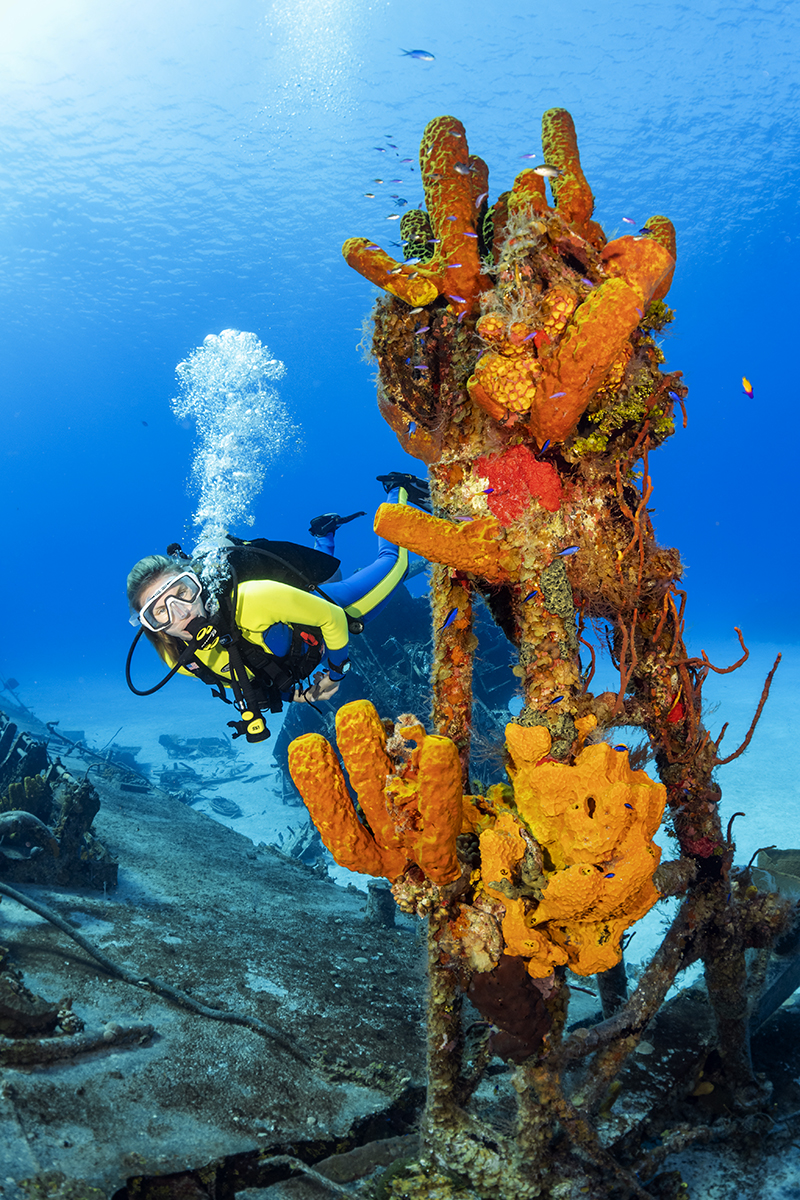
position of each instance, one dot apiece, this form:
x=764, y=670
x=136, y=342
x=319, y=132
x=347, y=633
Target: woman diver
x=267, y=636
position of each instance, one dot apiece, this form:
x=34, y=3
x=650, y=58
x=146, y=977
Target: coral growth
x=517, y=357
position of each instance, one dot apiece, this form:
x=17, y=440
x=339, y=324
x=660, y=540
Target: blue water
x=173, y=170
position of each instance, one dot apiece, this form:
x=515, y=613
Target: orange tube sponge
x=316, y=772
x=452, y=179
x=415, y=814
x=644, y=263
x=440, y=808
x=475, y=546
x=560, y=144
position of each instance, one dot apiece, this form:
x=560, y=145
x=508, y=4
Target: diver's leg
x=367, y=592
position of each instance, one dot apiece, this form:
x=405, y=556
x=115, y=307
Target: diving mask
x=178, y=598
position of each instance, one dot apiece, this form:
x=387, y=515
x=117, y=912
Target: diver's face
x=173, y=608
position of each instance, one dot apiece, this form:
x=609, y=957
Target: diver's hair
x=148, y=569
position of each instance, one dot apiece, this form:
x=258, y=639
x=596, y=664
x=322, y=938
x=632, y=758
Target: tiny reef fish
x=555, y=395
x=373, y=247
x=645, y=232
x=420, y=368
x=488, y=491
x=452, y=266
x=414, y=311
x=556, y=700
x=450, y=218
x=546, y=171
x=377, y=181
x=748, y=387
x=472, y=235
x=674, y=396
x=422, y=55
x=621, y=747
x=480, y=199
x=462, y=169
x=395, y=181
x=451, y=616
x=629, y=221
x=544, y=447
x=530, y=335
x=530, y=596
x=424, y=329
x=628, y=805
x=405, y=160
x=569, y=550
x=412, y=426
x=393, y=217
x=610, y=875
x=529, y=155
x=370, y=195
x=458, y=299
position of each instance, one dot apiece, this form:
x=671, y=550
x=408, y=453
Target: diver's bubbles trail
x=242, y=427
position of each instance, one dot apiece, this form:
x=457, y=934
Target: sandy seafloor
x=763, y=783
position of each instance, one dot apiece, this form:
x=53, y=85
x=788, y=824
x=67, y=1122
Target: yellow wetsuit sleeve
x=263, y=602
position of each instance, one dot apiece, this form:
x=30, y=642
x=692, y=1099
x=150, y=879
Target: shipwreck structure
x=518, y=359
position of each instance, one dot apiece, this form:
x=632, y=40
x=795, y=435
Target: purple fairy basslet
x=412, y=426
x=569, y=550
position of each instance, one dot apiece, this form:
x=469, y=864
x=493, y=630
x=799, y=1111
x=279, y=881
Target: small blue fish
x=380, y=149
x=395, y=181
x=588, y=282
x=629, y=806
x=433, y=241
x=674, y=396
x=529, y=155
x=544, y=447
x=424, y=329
x=621, y=748
x=458, y=299
x=530, y=335
x=480, y=199
x=412, y=426
x=450, y=218
x=639, y=311
x=645, y=232
x=422, y=55
x=555, y=395
x=405, y=160
x=420, y=368
x=530, y=596
x=556, y=700
x=629, y=221
x=373, y=247
x=451, y=616
x=610, y=875
x=452, y=266
x=488, y=491
x=392, y=145
x=569, y=550
x=471, y=235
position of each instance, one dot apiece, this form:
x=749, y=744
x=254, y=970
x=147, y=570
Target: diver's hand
x=323, y=688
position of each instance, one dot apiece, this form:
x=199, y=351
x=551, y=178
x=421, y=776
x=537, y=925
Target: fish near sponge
x=414, y=810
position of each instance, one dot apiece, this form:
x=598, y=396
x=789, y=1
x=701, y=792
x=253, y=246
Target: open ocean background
x=170, y=170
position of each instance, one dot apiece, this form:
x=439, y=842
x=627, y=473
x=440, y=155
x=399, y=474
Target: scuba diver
x=274, y=622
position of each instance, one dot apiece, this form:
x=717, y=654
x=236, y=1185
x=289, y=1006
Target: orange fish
x=748, y=387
